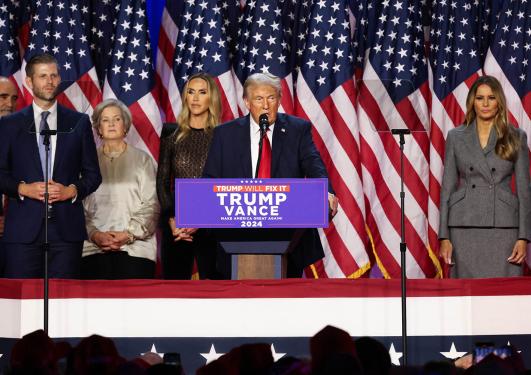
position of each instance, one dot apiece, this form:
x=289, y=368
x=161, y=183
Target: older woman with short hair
x=122, y=214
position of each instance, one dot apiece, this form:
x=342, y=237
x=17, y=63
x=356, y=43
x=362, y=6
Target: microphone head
x=263, y=119
x=263, y=122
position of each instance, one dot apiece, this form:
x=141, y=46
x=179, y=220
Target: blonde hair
x=214, y=106
x=508, y=142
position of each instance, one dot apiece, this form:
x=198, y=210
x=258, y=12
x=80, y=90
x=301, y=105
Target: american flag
x=9, y=58
x=10, y=62
x=326, y=96
x=193, y=38
x=265, y=38
x=508, y=60
x=103, y=23
x=455, y=61
x=60, y=28
x=130, y=75
x=394, y=93
x=302, y=42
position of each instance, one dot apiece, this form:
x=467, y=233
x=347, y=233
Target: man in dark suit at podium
x=74, y=173
x=288, y=151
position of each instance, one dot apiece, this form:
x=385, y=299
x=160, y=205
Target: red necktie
x=264, y=171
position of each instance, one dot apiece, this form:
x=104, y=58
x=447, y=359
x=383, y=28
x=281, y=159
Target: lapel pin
x=283, y=130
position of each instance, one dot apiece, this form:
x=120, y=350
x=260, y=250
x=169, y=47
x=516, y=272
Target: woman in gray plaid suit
x=484, y=227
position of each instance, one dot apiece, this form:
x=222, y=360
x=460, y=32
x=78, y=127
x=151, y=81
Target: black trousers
x=178, y=257
x=26, y=260
x=116, y=265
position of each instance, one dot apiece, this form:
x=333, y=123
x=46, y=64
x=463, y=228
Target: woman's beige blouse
x=126, y=200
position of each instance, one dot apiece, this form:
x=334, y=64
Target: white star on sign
x=395, y=356
x=154, y=350
x=276, y=356
x=453, y=353
x=212, y=355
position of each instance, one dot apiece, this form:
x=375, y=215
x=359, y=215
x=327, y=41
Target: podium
x=256, y=222
x=256, y=253
x=257, y=260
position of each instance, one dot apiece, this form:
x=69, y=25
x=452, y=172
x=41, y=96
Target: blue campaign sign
x=251, y=203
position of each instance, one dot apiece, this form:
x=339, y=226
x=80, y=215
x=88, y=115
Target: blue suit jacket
x=75, y=162
x=293, y=156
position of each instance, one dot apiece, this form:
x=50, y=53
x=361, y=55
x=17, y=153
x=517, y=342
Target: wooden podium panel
x=262, y=266
x=257, y=259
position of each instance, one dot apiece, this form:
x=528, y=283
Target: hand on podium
x=332, y=205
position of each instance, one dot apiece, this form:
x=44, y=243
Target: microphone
x=263, y=123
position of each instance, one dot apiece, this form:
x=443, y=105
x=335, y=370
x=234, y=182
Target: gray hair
x=262, y=79
x=126, y=114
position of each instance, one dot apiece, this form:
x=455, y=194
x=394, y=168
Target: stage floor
x=201, y=319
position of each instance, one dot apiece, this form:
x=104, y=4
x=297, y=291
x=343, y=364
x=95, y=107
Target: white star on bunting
x=395, y=356
x=453, y=353
x=212, y=355
x=276, y=356
x=154, y=350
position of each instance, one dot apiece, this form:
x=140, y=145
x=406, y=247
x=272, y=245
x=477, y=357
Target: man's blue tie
x=42, y=150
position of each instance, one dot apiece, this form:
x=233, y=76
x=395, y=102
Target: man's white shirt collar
x=256, y=128
x=52, y=117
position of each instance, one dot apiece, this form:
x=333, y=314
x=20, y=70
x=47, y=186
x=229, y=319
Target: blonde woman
x=183, y=155
x=121, y=216
x=484, y=227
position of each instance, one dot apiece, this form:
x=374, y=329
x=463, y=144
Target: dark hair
x=43, y=58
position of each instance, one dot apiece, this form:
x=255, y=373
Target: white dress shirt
x=52, y=124
x=255, y=140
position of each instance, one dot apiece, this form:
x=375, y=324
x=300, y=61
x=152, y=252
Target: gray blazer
x=476, y=187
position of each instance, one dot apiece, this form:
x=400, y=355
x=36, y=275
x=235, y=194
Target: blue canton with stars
x=59, y=28
x=265, y=36
x=103, y=21
x=9, y=58
x=512, y=44
x=131, y=72
x=454, y=44
x=202, y=43
x=327, y=56
x=397, y=50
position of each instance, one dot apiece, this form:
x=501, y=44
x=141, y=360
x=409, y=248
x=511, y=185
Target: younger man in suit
x=73, y=170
